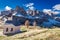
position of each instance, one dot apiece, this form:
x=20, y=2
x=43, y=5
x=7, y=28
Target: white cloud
x=47, y=11
x=56, y=7
x=56, y=12
x=30, y=6
x=8, y=8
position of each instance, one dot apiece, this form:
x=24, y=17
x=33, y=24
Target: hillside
x=33, y=34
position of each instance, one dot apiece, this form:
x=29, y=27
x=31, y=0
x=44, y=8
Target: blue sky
x=38, y=4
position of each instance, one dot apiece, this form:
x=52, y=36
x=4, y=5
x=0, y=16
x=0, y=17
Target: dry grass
x=35, y=34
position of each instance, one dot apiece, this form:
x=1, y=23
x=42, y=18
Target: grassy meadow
x=33, y=33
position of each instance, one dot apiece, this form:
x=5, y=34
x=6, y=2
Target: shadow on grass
x=11, y=34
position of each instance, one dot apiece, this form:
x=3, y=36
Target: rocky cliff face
x=33, y=12
x=20, y=10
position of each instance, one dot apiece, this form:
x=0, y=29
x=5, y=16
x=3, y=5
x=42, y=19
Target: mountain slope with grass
x=34, y=34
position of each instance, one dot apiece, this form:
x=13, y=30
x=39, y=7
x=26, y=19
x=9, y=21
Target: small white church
x=11, y=29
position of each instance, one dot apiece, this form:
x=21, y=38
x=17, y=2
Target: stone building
x=11, y=29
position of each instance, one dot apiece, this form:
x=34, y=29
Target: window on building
x=6, y=29
x=11, y=29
